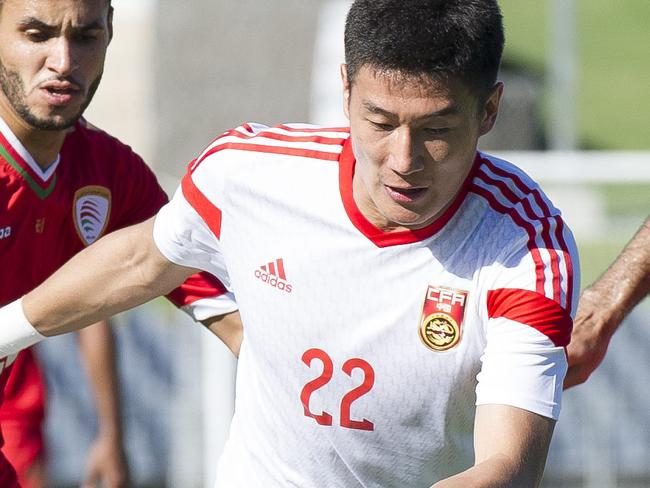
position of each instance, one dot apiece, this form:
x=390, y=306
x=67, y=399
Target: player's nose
x=61, y=57
x=404, y=155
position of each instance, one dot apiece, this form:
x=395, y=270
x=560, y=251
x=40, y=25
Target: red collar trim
x=382, y=238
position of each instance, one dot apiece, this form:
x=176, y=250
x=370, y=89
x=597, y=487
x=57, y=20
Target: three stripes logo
x=274, y=275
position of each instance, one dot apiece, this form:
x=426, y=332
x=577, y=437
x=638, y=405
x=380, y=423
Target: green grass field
x=614, y=65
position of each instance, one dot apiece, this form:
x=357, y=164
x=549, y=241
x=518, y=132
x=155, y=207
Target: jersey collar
x=378, y=236
x=18, y=157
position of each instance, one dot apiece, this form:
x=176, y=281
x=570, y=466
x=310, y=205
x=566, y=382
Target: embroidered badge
x=442, y=317
x=91, y=209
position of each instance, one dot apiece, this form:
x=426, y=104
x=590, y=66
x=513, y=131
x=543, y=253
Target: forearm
x=97, y=347
x=510, y=448
x=120, y=271
x=627, y=281
x=106, y=459
x=497, y=472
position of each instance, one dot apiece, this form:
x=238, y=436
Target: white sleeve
x=528, y=317
x=521, y=367
x=183, y=237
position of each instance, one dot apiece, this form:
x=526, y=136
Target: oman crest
x=91, y=210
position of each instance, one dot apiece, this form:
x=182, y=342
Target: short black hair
x=109, y=3
x=460, y=39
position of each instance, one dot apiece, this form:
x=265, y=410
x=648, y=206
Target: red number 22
x=350, y=365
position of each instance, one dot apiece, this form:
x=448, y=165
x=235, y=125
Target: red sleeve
x=532, y=309
x=196, y=287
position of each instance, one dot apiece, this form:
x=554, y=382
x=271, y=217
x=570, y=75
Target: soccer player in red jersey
x=63, y=184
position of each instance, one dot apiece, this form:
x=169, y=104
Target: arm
x=228, y=328
x=605, y=304
x=510, y=446
x=120, y=271
x=106, y=458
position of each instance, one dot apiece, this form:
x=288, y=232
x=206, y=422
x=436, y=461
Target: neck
x=43, y=145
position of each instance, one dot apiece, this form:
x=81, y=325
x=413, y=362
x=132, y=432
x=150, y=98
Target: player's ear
x=346, y=90
x=110, y=23
x=490, y=109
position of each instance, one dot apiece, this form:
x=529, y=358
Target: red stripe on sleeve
x=532, y=309
x=567, y=260
x=546, y=228
x=196, y=287
x=209, y=212
x=287, y=151
x=525, y=225
x=314, y=129
x=559, y=228
x=267, y=134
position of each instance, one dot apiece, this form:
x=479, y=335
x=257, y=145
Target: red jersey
x=96, y=185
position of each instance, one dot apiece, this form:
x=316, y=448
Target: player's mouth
x=405, y=194
x=60, y=93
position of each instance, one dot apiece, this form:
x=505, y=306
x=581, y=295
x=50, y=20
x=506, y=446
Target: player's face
x=414, y=141
x=51, y=58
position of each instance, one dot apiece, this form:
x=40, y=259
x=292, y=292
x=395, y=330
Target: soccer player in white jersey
x=406, y=299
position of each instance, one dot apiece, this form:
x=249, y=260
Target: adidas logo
x=274, y=275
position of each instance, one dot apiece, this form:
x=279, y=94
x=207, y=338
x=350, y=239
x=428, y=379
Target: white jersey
x=365, y=352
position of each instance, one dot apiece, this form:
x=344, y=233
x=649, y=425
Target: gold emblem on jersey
x=439, y=332
x=91, y=210
x=442, y=317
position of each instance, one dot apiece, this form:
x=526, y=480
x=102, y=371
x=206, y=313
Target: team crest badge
x=91, y=209
x=442, y=317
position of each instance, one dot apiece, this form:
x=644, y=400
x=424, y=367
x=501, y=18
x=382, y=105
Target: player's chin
x=409, y=218
x=56, y=122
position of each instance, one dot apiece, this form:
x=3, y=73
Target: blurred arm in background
x=106, y=461
x=605, y=304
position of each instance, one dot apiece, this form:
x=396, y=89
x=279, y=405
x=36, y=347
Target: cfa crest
x=442, y=317
x=91, y=209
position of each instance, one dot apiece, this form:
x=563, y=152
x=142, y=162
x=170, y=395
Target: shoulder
x=532, y=241
x=505, y=186
x=297, y=140
x=106, y=159
x=87, y=138
x=511, y=193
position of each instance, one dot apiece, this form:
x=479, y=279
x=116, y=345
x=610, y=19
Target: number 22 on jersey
x=321, y=381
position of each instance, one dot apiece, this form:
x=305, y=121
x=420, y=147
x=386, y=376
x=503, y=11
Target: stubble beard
x=14, y=90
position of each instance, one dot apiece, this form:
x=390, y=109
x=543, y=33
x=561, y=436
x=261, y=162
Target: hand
x=107, y=464
x=593, y=328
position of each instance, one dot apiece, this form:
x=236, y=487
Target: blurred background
x=576, y=116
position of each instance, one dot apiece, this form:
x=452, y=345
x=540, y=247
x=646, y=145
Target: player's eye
x=37, y=35
x=382, y=126
x=88, y=36
x=436, y=130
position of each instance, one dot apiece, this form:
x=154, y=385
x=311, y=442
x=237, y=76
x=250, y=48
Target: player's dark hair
x=460, y=39
x=109, y=3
